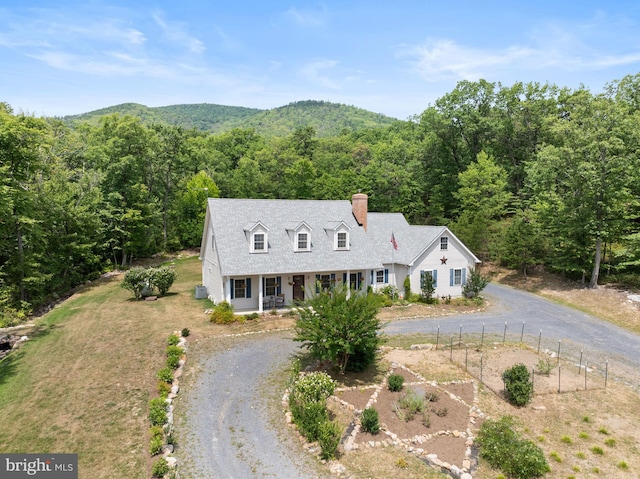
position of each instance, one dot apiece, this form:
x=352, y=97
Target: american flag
x=393, y=241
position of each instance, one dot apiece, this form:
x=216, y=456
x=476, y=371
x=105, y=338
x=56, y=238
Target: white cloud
x=445, y=59
x=175, y=32
x=315, y=73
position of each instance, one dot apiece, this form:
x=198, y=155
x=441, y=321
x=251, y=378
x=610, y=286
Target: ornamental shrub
x=135, y=280
x=314, y=387
x=518, y=385
x=162, y=278
x=370, y=421
x=165, y=375
x=173, y=340
x=174, y=353
x=222, y=313
x=157, y=411
x=329, y=433
x=395, y=382
x=504, y=449
x=307, y=401
x=160, y=467
x=155, y=445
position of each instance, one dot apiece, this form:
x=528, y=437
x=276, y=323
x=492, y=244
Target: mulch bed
x=447, y=415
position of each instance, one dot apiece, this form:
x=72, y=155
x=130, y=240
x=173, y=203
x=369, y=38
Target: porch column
x=227, y=288
x=348, y=285
x=260, y=293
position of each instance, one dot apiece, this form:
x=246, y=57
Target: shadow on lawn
x=9, y=366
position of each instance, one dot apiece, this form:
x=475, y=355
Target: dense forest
x=526, y=174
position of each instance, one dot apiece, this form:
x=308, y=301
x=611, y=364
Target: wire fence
x=555, y=367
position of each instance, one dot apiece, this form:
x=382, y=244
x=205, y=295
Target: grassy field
x=81, y=384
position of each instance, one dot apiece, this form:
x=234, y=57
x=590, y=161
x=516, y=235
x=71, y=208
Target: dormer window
x=257, y=236
x=259, y=244
x=302, y=241
x=339, y=231
x=341, y=240
x=300, y=235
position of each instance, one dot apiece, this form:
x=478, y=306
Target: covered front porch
x=259, y=293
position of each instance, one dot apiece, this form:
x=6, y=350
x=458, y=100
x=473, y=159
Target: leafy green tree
x=339, y=325
x=484, y=198
x=190, y=207
x=522, y=245
x=581, y=183
x=476, y=282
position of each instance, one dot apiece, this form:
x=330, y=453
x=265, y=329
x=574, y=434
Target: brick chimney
x=359, y=206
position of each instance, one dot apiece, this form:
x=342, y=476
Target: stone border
x=167, y=449
x=413, y=444
x=463, y=472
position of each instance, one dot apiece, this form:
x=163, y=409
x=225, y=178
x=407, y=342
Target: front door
x=298, y=288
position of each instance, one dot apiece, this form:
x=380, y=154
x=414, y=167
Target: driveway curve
x=226, y=428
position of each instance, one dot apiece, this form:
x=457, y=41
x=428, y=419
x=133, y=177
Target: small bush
x=370, y=421
x=135, y=280
x=155, y=445
x=329, y=433
x=157, y=411
x=185, y=332
x=410, y=404
x=544, y=367
x=395, y=382
x=165, y=375
x=252, y=316
x=597, y=450
x=155, y=432
x=162, y=278
x=173, y=340
x=622, y=465
x=583, y=435
x=174, y=353
x=442, y=412
x=160, y=467
x=518, y=385
x=581, y=455
x=610, y=442
x=309, y=417
x=163, y=389
x=604, y=430
x=307, y=401
x=223, y=313
x=503, y=449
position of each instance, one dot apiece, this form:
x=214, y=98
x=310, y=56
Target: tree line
x=524, y=174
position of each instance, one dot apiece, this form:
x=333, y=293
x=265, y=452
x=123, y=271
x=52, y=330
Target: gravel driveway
x=224, y=422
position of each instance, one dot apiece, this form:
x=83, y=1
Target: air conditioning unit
x=201, y=292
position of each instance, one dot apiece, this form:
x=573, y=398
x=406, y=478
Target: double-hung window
x=259, y=242
x=303, y=241
x=457, y=277
x=444, y=243
x=239, y=288
x=270, y=286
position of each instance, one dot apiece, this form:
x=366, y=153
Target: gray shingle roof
x=411, y=239
x=229, y=216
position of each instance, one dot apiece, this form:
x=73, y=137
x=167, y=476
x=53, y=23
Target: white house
x=261, y=254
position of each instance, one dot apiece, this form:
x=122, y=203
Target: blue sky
x=395, y=58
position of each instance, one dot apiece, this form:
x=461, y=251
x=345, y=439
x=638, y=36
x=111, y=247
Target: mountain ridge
x=327, y=118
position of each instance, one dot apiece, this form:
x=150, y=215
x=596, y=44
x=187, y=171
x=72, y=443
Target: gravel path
x=224, y=422
x=225, y=429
